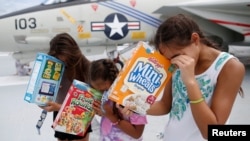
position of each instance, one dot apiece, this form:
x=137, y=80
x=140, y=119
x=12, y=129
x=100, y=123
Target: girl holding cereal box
x=115, y=124
x=64, y=47
x=204, y=85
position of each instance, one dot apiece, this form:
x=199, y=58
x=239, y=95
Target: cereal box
x=45, y=79
x=142, y=79
x=76, y=113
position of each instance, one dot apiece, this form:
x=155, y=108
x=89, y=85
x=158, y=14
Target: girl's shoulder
x=233, y=64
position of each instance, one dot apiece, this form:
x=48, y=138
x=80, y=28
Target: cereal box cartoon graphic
x=76, y=113
x=45, y=79
x=142, y=79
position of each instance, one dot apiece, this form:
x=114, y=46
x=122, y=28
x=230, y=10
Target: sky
x=8, y=6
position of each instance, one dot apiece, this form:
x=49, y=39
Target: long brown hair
x=178, y=29
x=77, y=65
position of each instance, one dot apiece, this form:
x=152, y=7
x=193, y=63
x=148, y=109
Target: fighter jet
x=100, y=25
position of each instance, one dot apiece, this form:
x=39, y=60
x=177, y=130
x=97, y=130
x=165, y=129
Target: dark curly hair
x=106, y=70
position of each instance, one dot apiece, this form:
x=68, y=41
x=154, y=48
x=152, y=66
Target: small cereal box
x=45, y=79
x=142, y=79
x=76, y=113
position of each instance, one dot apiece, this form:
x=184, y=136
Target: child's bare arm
x=134, y=131
x=126, y=126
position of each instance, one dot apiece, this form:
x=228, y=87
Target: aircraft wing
x=228, y=19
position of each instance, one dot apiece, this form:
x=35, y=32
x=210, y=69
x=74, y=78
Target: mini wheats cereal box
x=142, y=79
x=45, y=79
x=76, y=113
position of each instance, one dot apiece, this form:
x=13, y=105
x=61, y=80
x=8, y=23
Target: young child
x=116, y=125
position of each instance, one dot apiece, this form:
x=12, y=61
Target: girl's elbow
x=137, y=136
x=205, y=135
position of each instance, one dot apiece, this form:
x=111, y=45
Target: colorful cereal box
x=45, y=79
x=142, y=79
x=76, y=113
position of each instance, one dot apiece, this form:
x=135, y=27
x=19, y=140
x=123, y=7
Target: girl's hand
x=97, y=107
x=102, y=110
x=186, y=65
x=108, y=109
x=109, y=113
x=51, y=106
x=124, y=110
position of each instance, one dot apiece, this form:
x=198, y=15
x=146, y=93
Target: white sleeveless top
x=181, y=125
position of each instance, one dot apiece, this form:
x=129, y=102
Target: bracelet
x=115, y=123
x=196, y=101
